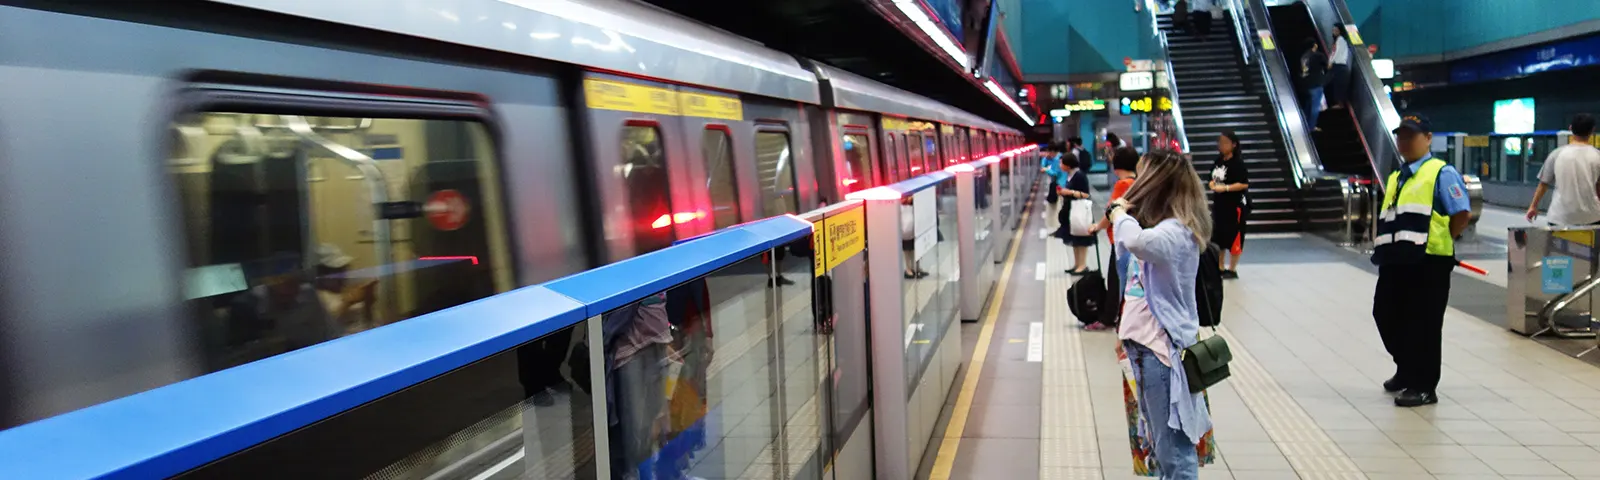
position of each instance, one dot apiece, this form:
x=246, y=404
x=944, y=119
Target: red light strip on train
x=667, y=220
x=456, y=257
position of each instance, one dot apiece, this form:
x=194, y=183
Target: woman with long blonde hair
x=1161, y=226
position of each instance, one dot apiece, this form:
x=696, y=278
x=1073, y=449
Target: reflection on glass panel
x=644, y=176
x=932, y=148
x=699, y=375
x=717, y=150
x=929, y=256
x=521, y=413
x=857, y=159
x=286, y=249
x=775, y=170
x=803, y=349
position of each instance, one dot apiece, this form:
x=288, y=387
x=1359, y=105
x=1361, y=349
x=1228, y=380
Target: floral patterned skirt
x=1144, y=458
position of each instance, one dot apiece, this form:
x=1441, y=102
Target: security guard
x=1425, y=208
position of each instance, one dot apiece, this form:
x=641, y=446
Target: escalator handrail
x=1241, y=31
x=1304, y=163
x=1172, y=89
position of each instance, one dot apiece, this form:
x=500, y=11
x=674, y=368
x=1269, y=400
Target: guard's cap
x=1416, y=122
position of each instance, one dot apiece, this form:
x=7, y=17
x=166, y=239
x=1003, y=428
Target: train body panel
x=122, y=140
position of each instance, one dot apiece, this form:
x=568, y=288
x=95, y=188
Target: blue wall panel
x=1434, y=27
x=1086, y=36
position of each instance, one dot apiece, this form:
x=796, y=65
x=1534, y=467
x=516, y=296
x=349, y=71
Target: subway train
x=189, y=186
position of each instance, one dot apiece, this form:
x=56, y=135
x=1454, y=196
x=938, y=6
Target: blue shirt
x=1170, y=257
x=1449, y=191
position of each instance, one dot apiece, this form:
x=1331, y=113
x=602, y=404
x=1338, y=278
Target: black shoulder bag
x=1206, y=362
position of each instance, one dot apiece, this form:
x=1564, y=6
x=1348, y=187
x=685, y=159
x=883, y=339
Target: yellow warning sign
x=1580, y=237
x=842, y=235
x=817, y=262
x=629, y=97
x=1266, y=40
x=1355, y=34
x=1477, y=141
x=711, y=106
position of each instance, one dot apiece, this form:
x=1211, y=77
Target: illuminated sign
x=1136, y=81
x=1383, y=67
x=1060, y=112
x=1085, y=106
x=1514, y=116
x=1146, y=105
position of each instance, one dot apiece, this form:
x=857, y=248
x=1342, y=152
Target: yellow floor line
x=951, y=442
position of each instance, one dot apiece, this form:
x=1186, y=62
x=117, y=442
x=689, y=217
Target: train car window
x=909, y=164
x=858, y=162
x=717, y=149
x=775, y=169
x=934, y=155
x=914, y=154
x=644, y=175
x=303, y=229
x=890, y=168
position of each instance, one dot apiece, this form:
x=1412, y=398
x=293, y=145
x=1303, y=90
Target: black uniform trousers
x=1409, y=307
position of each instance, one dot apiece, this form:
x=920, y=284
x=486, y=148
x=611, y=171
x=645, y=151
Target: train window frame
x=865, y=135
x=666, y=161
x=891, y=168
x=203, y=95
x=733, y=172
x=778, y=128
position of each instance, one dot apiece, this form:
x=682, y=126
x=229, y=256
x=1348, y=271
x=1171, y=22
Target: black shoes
x=1230, y=275
x=1393, y=385
x=1413, y=398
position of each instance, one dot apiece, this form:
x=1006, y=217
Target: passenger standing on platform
x=1313, y=75
x=1230, y=202
x=1073, y=184
x=1425, y=208
x=1574, y=171
x=1161, y=226
x=1123, y=164
x=1339, y=74
x=1050, y=165
x=1201, y=16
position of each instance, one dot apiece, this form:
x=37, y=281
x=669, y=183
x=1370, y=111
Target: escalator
x=1339, y=143
x=1217, y=91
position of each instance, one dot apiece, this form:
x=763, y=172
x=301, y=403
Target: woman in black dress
x=1073, y=186
x=1230, y=203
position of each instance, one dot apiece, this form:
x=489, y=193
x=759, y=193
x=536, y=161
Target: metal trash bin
x=1550, y=279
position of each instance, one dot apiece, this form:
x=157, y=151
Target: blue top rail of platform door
x=172, y=429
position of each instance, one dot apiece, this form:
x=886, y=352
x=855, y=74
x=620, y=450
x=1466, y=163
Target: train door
x=861, y=159
x=716, y=136
x=640, y=164
x=785, y=174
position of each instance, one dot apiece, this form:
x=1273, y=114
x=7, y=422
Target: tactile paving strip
x=1309, y=450
x=1068, y=448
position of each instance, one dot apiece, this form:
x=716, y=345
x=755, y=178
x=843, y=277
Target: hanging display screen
x=1514, y=116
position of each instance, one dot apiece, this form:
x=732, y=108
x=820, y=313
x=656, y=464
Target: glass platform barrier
x=700, y=360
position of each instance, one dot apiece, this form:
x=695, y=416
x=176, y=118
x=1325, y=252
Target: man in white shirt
x=1574, y=171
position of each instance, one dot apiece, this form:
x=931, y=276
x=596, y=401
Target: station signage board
x=1138, y=81
x=1085, y=106
x=1146, y=105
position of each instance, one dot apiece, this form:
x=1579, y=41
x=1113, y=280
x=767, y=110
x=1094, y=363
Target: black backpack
x=1086, y=297
x=1208, y=287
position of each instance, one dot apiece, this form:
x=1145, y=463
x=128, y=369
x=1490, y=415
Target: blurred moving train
x=193, y=185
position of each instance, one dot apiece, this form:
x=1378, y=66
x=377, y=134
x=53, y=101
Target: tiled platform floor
x=1304, y=400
